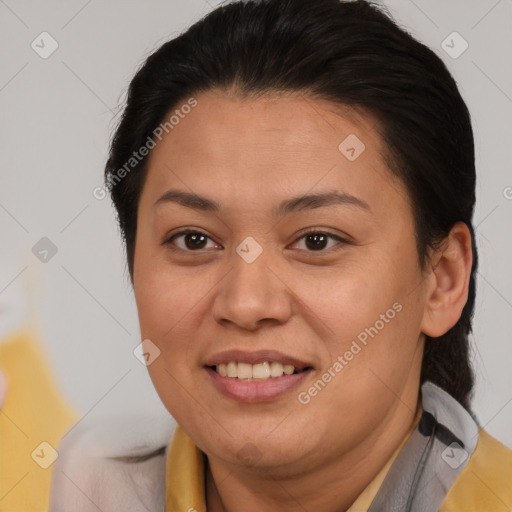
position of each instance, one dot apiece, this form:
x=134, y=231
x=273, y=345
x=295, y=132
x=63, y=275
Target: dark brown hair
x=350, y=53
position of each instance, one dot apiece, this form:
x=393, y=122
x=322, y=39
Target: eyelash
x=303, y=234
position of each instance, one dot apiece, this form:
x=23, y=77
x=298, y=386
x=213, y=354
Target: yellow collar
x=184, y=481
x=185, y=475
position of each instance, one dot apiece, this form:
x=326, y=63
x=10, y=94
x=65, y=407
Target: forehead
x=223, y=120
x=245, y=149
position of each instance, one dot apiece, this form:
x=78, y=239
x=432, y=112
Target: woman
x=295, y=185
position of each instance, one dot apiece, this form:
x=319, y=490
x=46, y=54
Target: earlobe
x=449, y=282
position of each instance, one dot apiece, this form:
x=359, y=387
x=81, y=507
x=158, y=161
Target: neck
x=341, y=478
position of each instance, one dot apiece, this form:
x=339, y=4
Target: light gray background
x=57, y=115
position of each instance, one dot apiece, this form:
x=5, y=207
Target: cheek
x=352, y=297
x=166, y=295
x=169, y=304
x=373, y=318
x=176, y=389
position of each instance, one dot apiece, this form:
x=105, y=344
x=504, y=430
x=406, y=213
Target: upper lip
x=255, y=357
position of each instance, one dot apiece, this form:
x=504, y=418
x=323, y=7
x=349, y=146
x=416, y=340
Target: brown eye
x=319, y=241
x=316, y=241
x=189, y=240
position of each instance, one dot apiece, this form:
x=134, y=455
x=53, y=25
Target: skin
x=249, y=155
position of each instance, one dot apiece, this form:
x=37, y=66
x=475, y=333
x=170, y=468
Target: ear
x=448, y=283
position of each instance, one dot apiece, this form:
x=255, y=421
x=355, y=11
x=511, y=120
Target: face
x=276, y=271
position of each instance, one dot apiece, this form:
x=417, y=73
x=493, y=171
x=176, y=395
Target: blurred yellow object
x=33, y=418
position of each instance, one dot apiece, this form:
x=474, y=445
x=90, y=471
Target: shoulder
x=112, y=464
x=486, y=482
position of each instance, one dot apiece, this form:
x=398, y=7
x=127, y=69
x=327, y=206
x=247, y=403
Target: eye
x=190, y=240
x=316, y=240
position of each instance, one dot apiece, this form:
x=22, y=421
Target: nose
x=252, y=294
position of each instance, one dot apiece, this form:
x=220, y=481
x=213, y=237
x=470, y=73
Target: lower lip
x=256, y=391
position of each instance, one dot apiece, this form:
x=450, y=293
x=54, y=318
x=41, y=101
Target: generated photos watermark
x=361, y=341
x=137, y=156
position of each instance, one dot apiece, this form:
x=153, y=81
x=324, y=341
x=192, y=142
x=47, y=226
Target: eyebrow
x=299, y=203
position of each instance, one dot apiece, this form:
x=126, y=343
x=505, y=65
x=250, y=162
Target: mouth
x=256, y=376
x=256, y=372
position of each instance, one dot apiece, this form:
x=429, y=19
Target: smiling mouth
x=256, y=372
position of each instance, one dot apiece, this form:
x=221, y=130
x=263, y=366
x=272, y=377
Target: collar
x=433, y=457
x=185, y=475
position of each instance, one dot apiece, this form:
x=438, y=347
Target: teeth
x=260, y=371
x=288, y=369
x=232, y=370
x=276, y=369
x=244, y=371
